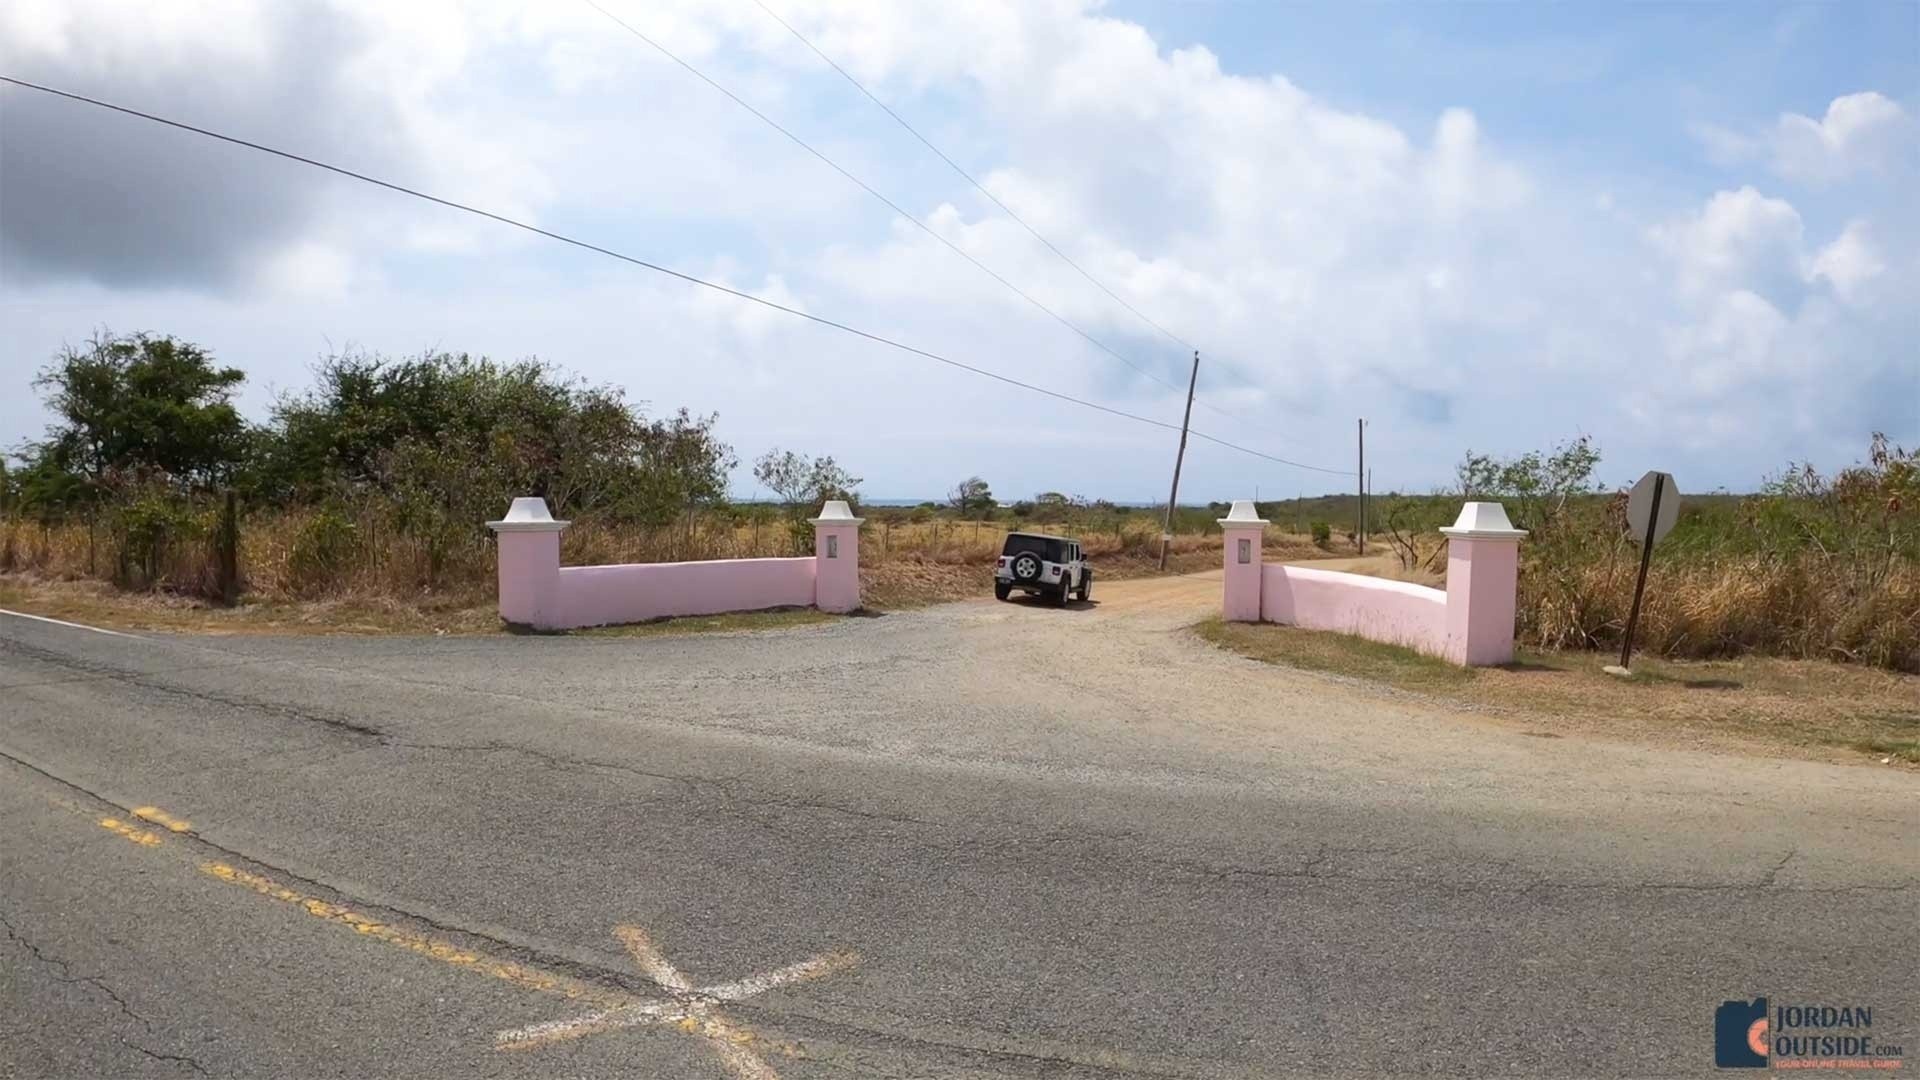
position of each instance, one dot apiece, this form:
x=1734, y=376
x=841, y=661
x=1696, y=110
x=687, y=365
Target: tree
x=803, y=483
x=683, y=467
x=1539, y=485
x=972, y=497
x=139, y=408
x=452, y=436
x=1052, y=506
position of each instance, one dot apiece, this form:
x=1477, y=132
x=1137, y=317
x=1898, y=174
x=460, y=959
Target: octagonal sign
x=1640, y=506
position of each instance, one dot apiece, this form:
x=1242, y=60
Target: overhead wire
x=968, y=177
x=889, y=203
x=611, y=253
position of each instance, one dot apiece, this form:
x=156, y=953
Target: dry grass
x=1766, y=704
x=374, y=580
x=316, y=554
x=97, y=603
x=1796, y=606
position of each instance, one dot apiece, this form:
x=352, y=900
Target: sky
x=1686, y=231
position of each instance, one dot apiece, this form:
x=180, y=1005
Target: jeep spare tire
x=1026, y=567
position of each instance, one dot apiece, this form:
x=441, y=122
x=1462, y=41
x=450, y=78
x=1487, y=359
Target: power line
x=1198, y=434
x=968, y=177
x=657, y=268
x=870, y=190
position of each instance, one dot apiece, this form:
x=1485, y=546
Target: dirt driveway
x=1181, y=601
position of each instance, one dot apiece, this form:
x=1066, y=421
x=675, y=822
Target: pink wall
x=636, y=592
x=1396, y=612
x=537, y=592
x=1469, y=622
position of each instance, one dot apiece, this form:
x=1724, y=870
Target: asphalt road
x=979, y=840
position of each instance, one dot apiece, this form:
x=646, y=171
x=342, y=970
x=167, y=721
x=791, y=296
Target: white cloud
x=1736, y=237
x=1849, y=263
x=1326, y=260
x=1860, y=133
x=308, y=271
x=1754, y=350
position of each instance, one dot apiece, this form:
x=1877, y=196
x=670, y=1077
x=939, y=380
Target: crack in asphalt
x=65, y=974
x=611, y=977
x=157, y=1055
x=608, y=976
x=150, y=680
x=1774, y=872
x=66, y=970
x=747, y=802
x=771, y=811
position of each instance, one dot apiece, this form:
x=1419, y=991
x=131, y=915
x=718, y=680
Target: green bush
x=322, y=550
x=151, y=529
x=1322, y=534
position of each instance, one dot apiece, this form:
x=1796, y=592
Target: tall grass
x=1813, y=567
x=375, y=548
x=1793, y=605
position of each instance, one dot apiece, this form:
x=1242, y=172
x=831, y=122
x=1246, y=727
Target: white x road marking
x=689, y=1008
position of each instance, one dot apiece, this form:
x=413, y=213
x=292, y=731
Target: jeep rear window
x=1046, y=549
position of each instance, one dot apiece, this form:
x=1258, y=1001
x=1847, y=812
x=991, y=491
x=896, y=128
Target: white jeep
x=1042, y=565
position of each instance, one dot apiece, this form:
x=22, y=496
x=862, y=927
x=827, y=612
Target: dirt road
x=1180, y=601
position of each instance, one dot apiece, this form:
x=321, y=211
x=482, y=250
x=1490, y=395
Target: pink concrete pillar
x=1483, y=581
x=529, y=559
x=1243, y=530
x=836, y=558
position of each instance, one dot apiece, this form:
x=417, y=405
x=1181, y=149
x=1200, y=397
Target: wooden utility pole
x=1166, y=530
x=229, y=543
x=1360, y=483
x=1366, y=513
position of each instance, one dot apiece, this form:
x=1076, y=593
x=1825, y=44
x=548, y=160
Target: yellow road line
x=132, y=832
x=162, y=818
x=506, y=970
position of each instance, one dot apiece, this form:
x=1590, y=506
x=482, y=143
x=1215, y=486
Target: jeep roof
x=1047, y=546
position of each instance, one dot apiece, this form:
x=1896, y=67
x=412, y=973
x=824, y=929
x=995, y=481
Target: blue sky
x=1680, y=229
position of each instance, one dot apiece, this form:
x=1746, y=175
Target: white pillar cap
x=528, y=514
x=836, y=512
x=1483, y=521
x=1243, y=514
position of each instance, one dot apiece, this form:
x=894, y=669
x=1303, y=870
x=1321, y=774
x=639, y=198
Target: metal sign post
x=1652, y=508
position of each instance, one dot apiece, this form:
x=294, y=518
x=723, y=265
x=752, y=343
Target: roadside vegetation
x=1811, y=567
x=361, y=500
